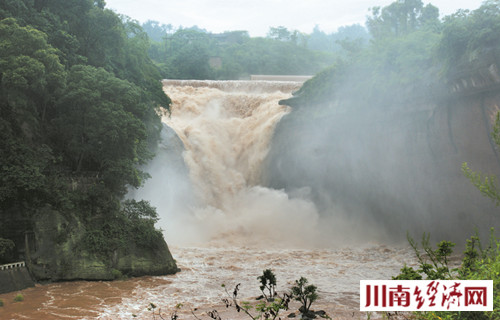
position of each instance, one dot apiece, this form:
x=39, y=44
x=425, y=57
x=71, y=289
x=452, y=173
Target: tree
x=99, y=127
x=400, y=18
x=136, y=210
x=101, y=38
x=238, y=37
x=190, y=55
x=469, y=40
x=268, y=282
x=20, y=9
x=23, y=167
x=318, y=40
x=31, y=78
x=31, y=72
x=279, y=33
x=305, y=294
x=78, y=102
x=350, y=41
x=156, y=31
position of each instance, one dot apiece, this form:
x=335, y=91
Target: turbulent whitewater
x=226, y=129
x=222, y=225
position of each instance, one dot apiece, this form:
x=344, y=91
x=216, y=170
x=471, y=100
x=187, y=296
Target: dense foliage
x=78, y=102
x=6, y=250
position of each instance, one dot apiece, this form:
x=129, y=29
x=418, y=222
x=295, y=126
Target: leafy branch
x=487, y=185
x=437, y=269
x=173, y=316
x=266, y=309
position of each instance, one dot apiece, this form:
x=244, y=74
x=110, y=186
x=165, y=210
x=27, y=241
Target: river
x=336, y=273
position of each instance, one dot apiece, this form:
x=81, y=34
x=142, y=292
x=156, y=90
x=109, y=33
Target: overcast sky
x=257, y=16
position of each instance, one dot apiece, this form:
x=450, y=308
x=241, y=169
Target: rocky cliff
x=397, y=168
x=58, y=253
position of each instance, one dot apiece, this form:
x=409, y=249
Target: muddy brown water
x=336, y=273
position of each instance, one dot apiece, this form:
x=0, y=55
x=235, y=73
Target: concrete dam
x=14, y=276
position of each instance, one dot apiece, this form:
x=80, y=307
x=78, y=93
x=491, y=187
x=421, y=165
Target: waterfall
x=226, y=129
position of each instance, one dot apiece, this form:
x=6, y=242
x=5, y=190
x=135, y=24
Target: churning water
x=222, y=225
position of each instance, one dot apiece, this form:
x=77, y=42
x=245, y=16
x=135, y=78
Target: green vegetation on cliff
x=412, y=56
x=78, y=116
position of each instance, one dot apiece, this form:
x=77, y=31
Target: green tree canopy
x=99, y=126
x=79, y=98
x=401, y=17
x=31, y=79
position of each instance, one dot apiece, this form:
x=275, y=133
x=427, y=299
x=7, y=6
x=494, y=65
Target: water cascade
x=226, y=129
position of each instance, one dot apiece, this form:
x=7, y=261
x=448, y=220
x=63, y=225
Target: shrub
x=305, y=294
x=268, y=310
x=19, y=298
x=477, y=264
x=268, y=281
x=117, y=274
x=436, y=268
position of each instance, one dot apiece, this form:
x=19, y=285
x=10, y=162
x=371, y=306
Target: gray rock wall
x=393, y=170
x=59, y=255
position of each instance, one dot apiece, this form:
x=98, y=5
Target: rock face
x=59, y=256
x=52, y=243
x=395, y=169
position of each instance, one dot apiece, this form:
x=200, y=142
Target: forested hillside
x=78, y=116
x=194, y=53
